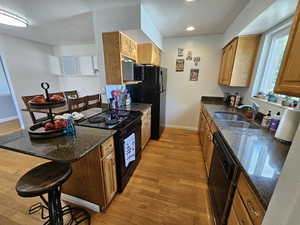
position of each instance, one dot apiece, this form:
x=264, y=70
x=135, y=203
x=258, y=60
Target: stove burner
x=97, y=119
x=111, y=122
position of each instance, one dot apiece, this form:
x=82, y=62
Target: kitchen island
x=61, y=149
x=91, y=147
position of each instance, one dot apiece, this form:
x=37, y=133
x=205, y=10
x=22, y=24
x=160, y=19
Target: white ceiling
x=208, y=16
x=58, y=22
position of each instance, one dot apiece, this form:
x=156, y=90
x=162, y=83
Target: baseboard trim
x=8, y=119
x=80, y=202
x=182, y=127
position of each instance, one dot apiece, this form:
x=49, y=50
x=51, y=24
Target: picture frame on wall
x=179, y=65
x=189, y=56
x=194, y=74
x=180, y=52
x=196, y=60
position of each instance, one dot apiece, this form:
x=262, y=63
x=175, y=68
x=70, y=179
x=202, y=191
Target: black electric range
x=125, y=123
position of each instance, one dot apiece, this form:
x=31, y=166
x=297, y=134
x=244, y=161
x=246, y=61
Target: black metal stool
x=48, y=179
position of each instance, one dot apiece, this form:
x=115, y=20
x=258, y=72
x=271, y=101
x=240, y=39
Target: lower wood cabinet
x=233, y=220
x=206, y=130
x=252, y=203
x=146, y=127
x=110, y=178
x=94, y=176
x=246, y=208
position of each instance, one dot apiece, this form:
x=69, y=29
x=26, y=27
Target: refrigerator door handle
x=161, y=82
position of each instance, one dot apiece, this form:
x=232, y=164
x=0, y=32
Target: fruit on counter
x=60, y=124
x=49, y=126
x=38, y=99
x=56, y=98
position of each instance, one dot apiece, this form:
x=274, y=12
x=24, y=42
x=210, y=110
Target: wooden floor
x=169, y=187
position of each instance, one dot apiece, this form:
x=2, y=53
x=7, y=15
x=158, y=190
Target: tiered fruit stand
x=38, y=130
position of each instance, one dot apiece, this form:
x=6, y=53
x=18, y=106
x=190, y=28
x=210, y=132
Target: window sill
x=263, y=101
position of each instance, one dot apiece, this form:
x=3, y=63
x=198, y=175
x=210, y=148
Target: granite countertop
x=60, y=149
x=259, y=154
x=141, y=107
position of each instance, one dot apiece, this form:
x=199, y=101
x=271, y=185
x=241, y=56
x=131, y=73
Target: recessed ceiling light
x=190, y=28
x=12, y=19
x=189, y=0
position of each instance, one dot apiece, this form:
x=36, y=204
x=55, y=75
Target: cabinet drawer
x=251, y=201
x=107, y=147
x=241, y=212
x=233, y=220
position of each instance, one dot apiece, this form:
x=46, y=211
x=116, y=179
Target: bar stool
x=48, y=179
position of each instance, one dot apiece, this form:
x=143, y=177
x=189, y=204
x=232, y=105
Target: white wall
x=85, y=85
x=123, y=17
x=183, y=96
x=28, y=65
x=8, y=110
x=150, y=29
x=252, y=10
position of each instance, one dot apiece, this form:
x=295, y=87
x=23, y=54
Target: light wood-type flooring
x=169, y=187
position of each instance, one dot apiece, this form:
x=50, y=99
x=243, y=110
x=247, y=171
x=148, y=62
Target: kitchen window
x=274, y=44
x=78, y=65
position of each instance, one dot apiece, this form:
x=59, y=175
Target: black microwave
x=131, y=70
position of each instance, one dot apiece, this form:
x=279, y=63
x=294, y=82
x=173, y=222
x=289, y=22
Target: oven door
x=125, y=133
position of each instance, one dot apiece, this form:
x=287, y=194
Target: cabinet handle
x=251, y=208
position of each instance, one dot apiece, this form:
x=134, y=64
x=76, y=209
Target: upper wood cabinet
x=115, y=46
x=288, y=81
x=148, y=54
x=238, y=60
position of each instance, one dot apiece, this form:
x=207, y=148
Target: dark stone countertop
x=60, y=149
x=140, y=107
x=259, y=154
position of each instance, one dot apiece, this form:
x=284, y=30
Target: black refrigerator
x=153, y=91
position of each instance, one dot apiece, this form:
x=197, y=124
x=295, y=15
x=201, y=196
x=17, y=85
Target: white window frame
x=78, y=69
x=264, y=65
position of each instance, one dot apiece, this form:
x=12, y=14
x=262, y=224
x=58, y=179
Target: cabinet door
x=288, y=81
x=254, y=207
x=230, y=56
x=205, y=140
x=133, y=50
x=110, y=180
x=202, y=129
x=125, y=45
x=209, y=151
x=222, y=67
x=146, y=128
x=232, y=220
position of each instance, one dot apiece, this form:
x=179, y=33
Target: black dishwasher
x=222, y=179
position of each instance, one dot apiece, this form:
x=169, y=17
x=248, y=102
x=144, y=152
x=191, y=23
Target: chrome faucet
x=254, y=108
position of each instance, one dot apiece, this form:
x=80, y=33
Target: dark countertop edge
x=263, y=201
x=55, y=159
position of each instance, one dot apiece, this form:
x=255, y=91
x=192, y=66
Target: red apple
x=49, y=126
x=60, y=124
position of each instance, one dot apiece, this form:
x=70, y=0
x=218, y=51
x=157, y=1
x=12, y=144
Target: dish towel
x=129, y=149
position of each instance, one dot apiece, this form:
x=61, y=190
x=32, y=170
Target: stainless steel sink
x=230, y=116
x=241, y=124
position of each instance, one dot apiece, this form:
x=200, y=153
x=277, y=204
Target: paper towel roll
x=288, y=125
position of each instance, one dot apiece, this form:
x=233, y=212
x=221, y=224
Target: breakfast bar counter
x=62, y=149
